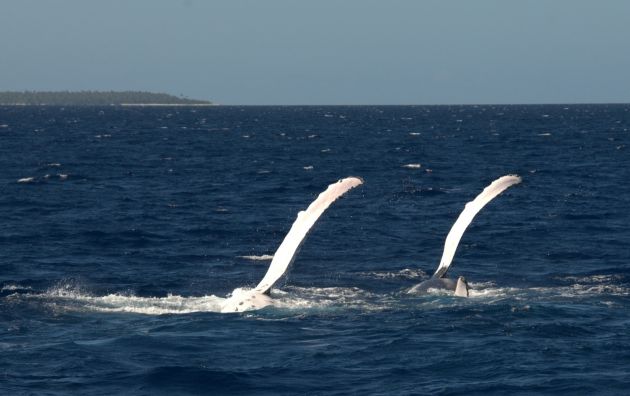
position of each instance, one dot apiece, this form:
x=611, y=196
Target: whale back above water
x=459, y=287
x=256, y=298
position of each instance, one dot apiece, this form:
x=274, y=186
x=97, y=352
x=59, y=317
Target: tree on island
x=92, y=98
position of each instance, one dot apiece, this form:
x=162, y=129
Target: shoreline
x=112, y=105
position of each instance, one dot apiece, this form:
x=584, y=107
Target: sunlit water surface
x=123, y=229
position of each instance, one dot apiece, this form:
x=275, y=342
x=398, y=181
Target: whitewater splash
x=171, y=304
x=65, y=298
x=598, y=289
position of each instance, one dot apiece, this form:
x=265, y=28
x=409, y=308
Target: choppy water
x=122, y=230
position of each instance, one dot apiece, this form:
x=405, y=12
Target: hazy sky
x=323, y=51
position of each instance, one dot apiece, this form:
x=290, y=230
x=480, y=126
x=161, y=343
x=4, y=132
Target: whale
x=244, y=299
x=460, y=287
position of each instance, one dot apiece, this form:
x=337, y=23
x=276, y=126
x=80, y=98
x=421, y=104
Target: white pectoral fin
x=285, y=254
x=467, y=216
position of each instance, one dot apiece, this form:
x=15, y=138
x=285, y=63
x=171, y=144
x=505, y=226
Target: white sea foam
x=492, y=293
x=329, y=298
x=592, y=278
x=264, y=257
x=594, y=290
x=172, y=304
x=12, y=287
x=26, y=180
x=601, y=287
x=412, y=166
x=77, y=300
x=72, y=298
x=596, y=286
x=309, y=167
x=589, y=286
x=313, y=298
x=402, y=274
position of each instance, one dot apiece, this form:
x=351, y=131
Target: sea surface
x=123, y=229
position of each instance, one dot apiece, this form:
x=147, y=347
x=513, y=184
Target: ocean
x=123, y=229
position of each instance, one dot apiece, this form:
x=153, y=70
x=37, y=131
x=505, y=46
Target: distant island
x=95, y=98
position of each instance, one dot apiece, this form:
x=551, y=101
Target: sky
x=291, y=52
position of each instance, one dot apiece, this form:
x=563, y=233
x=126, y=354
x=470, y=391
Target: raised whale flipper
x=248, y=299
x=285, y=254
x=467, y=216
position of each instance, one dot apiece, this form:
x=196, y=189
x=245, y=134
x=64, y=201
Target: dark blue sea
x=122, y=230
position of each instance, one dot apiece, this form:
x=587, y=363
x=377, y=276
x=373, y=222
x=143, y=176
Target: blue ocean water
x=123, y=228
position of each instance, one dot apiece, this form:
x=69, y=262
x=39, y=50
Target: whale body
x=251, y=299
x=459, y=287
x=439, y=280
